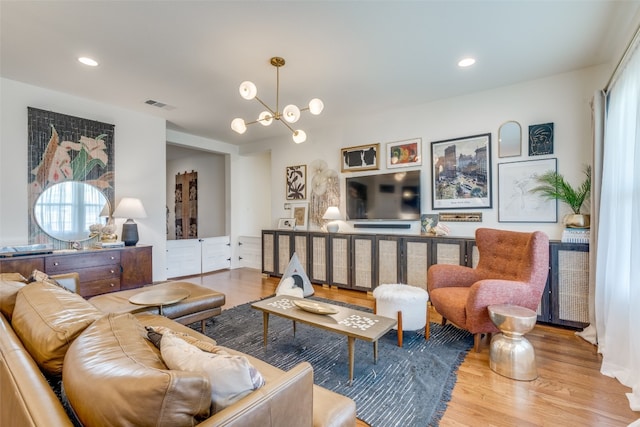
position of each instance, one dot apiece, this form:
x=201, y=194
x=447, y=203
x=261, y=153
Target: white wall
x=211, y=191
x=561, y=99
x=139, y=158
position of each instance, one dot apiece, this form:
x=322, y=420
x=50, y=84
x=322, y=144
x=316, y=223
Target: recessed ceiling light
x=466, y=62
x=88, y=61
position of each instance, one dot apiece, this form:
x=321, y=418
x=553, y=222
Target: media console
x=363, y=261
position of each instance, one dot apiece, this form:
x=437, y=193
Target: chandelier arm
x=273, y=113
x=287, y=125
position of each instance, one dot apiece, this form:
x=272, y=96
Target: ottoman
x=200, y=304
x=406, y=303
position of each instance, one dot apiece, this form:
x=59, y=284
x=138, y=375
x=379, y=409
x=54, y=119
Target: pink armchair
x=512, y=269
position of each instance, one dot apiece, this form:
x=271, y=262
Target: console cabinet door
x=268, y=252
x=318, y=258
x=363, y=257
x=569, y=284
x=416, y=255
x=388, y=260
x=137, y=270
x=284, y=251
x=339, y=252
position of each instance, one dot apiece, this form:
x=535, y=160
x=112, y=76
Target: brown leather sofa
x=39, y=324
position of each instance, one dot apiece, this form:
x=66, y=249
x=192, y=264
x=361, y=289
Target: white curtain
x=617, y=275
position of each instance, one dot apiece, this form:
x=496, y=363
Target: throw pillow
x=231, y=377
x=154, y=333
x=40, y=276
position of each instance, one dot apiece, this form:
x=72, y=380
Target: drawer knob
x=113, y=257
x=112, y=271
x=56, y=263
x=112, y=285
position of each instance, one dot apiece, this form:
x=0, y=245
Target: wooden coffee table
x=341, y=320
x=159, y=297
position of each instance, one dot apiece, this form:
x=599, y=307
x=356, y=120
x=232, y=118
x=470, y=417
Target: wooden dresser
x=101, y=270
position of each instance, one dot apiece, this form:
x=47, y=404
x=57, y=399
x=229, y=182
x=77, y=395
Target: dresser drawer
x=75, y=262
x=107, y=272
x=97, y=287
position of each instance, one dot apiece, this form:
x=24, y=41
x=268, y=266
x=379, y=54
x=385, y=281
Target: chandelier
x=289, y=114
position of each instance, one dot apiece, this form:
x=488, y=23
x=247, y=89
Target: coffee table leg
x=352, y=348
x=375, y=351
x=265, y=325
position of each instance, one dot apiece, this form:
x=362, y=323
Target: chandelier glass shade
x=289, y=114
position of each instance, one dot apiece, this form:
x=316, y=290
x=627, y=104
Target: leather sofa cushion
x=47, y=318
x=8, y=292
x=113, y=376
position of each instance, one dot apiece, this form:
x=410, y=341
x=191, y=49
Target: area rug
x=409, y=386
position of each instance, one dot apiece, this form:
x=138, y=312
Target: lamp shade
x=299, y=136
x=130, y=207
x=238, y=125
x=291, y=113
x=248, y=90
x=332, y=213
x=316, y=106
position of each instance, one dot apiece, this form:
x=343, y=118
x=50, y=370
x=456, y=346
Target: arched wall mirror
x=65, y=211
x=510, y=139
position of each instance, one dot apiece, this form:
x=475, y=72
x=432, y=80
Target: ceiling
x=359, y=57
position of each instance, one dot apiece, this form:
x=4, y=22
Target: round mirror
x=509, y=139
x=65, y=211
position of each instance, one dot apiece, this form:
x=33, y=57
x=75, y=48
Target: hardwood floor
x=569, y=391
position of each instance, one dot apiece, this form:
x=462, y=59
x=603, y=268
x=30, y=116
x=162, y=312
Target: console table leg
x=265, y=325
x=352, y=348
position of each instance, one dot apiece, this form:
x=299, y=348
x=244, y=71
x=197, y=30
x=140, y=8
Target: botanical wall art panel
x=296, y=182
x=325, y=190
x=67, y=148
x=186, y=208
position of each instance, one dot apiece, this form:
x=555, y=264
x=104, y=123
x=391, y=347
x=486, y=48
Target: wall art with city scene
x=461, y=172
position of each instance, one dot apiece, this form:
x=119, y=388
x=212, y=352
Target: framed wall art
x=541, y=139
x=300, y=214
x=286, y=224
x=360, y=158
x=296, y=177
x=461, y=172
x=516, y=203
x=404, y=153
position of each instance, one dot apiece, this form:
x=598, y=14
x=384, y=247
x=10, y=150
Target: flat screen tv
x=389, y=196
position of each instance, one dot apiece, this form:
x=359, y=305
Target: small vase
x=576, y=221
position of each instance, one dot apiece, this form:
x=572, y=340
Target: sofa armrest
x=27, y=398
x=286, y=401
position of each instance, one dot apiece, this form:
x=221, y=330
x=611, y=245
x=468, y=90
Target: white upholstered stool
x=406, y=303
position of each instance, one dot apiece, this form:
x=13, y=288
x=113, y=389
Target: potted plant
x=554, y=186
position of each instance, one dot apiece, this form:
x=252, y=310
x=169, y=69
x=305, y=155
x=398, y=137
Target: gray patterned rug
x=409, y=386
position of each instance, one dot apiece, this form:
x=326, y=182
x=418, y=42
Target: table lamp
x=130, y=208
x=332, y=214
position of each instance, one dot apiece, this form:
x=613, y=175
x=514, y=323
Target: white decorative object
x=410, y=300
x=294, y=277
x=332, y=214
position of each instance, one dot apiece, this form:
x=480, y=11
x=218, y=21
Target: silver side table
x=511, y=354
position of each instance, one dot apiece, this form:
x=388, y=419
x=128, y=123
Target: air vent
x=159, y=105
x=155, y=103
